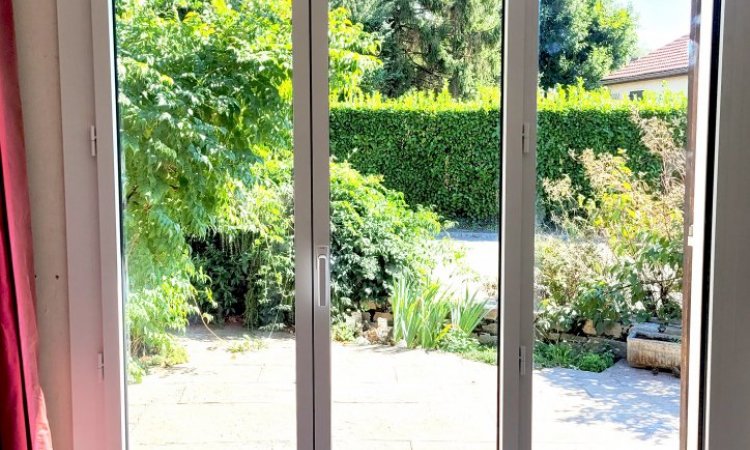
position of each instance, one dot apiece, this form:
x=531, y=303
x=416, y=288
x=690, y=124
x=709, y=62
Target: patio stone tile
x=371, y=445
x=454, y=445
x=391, y=399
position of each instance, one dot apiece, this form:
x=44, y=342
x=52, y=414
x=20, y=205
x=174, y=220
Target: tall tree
x=428, y=44
x=205, y=95
x=583, y=39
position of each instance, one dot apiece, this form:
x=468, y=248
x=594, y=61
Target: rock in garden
x=589, y=328
x=356, y=316
x=487, y=339
x=384, y=315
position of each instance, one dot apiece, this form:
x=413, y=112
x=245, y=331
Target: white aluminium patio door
x=323, y=419
x=313, y=367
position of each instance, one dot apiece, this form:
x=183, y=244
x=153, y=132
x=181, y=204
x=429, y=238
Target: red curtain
x=23, y=419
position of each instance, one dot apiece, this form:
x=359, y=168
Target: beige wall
x=36, y=34
x=674, y=84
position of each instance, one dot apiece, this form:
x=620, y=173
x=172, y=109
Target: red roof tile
x=670, y=60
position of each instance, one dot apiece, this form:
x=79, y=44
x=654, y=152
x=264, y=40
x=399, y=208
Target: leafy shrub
x=444, y=153
x=250, y=270
x=564, y=272
x=375, y=235
x=640, y=228
x=204, y=91
x=342, y=332
x=572, y=356
x=456, y=341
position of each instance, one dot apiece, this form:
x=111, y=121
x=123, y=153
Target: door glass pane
x=414, y=197
x=204, y=100
x=611, y=177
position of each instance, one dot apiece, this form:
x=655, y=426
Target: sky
x=660, y=21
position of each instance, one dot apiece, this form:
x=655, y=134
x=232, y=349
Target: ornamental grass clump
x=425, y=313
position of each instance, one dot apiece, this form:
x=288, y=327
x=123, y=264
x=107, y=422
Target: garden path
x=389, y=399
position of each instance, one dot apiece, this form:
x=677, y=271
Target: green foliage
x=467, y=312
x=456, y=341
x=204, y=96
x=572, y=356
x=574, y=283
x=446, y=154
x=342, y=332
x=420, y=312
x=375, y=235
x=425, y=314
x=564, y=271
x=583, y=40
x=430, y=44
x=482, y=353
x=250, y=270
x=642, y=223
x=244, y=345
x=623, y=261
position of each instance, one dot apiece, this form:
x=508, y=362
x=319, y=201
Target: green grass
x=562, y=354
x=482, y=353
x=244, y=345
x=572, y=356
x=462, y=344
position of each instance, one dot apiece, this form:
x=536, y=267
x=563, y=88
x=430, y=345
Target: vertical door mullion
x=303, y=230
x=321, y=219
x=517, y=223
x=105, y=150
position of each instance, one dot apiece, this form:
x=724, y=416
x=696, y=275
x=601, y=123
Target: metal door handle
x=322, y=277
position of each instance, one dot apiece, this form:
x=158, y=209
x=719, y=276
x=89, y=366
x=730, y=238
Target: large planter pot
x=650, y=348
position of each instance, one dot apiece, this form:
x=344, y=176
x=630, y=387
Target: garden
x=205, y=97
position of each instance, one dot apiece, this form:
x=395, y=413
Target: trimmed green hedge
x=445, y=154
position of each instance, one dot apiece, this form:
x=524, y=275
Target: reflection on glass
x=612, y=118
x=204, y=97
x=414, y=139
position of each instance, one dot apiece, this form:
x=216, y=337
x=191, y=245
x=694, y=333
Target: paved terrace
x=386, y=398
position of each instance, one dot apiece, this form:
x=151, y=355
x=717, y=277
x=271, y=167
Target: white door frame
x=105, y=148
x=92, y=199
x=320, y=222
x=520, y=62
x=114, y=394
x=303, y=230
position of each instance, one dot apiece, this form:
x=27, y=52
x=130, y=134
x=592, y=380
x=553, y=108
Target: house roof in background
x=670, y=60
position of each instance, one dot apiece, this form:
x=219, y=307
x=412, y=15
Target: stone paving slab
x=386, y=398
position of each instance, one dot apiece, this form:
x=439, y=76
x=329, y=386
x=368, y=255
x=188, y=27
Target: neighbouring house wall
x=674, y=84
x=37, y=44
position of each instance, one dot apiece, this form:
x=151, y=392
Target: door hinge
x=100, y=365
x=522, y=360
x=92, y=140
x=525, y=131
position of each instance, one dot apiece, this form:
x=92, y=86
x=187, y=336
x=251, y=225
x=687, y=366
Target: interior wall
x=37, y=45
